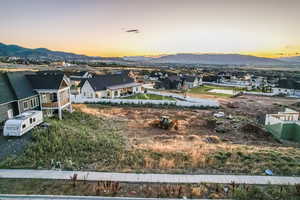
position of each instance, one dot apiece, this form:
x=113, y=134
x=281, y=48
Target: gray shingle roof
x=289, y=84
x=42, y=81
x=14, y=86
x=101, y=82
x=20, y=84
x=6, y=91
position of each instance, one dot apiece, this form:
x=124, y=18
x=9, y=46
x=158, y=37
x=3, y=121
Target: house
x=109, y=86
x=284, y=125
x=54, y=92
x=211, y=78
x=191, y=81
x=17, y=95
x=169, y=82
x=288, y=87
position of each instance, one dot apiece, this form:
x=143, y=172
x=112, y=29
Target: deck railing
x=55, y=104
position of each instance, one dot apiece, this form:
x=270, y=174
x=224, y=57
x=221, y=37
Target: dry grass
x=195, y=147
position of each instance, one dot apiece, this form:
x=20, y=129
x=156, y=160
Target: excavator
x=165, y=123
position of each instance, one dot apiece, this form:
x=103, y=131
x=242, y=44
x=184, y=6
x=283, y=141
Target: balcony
x=55, y=104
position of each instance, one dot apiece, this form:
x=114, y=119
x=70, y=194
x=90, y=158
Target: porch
x=55, y=99
x=124, y=90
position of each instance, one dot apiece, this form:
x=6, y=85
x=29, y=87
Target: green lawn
x=150, y=97
x=204, y=89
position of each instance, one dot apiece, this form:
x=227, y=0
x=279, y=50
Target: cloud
x=133, y=31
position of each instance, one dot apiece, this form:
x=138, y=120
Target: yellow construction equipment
x=165, y=123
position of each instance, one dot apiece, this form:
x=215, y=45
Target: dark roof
x=6, y=91
x=40, y=81
x=174, y=78
x=189, y=78
x=14, y=86
x=81, y=73
x=20, y=84
x=101, y=82
x=289, y=84
x=50, y=72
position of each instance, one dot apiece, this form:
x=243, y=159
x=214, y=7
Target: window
x=23, y=126
x=30, y=120
x=36, y=101
x=25, y=105
x=33, y=119
x=10, y=113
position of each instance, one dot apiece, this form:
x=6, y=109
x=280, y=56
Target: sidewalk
x=149, y=178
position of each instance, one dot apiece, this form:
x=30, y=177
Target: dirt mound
x=254, y=130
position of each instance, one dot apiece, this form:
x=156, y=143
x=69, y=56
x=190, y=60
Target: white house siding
x=137, y=89
x=283, y=91
x=101, y=94
x=87, y=91
x=297, y=93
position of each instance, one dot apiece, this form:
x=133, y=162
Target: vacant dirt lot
x=196, y=124
x=212, y=145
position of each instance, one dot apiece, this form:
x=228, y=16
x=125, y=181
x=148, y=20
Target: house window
x=30, y=120
x=23, y=126
x=36, y=100
x=25, y=105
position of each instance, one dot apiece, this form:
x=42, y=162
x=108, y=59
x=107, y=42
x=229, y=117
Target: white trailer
x=22, y=123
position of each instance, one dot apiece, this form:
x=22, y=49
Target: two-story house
x=54, y=92
x=16, y=95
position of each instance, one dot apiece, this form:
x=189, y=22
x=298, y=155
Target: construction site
x=220, y=140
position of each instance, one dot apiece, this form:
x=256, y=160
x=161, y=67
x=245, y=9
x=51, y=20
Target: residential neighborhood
x=145, y=100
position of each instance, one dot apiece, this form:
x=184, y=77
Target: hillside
x=294, y=59
x=216, y=59
x=18, y=51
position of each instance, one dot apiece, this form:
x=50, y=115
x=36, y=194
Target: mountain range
x=238, y=59
x=18, y=51
x=294, y=59
x=215, y=59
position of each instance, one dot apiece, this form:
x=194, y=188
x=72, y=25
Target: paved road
x=148, y=178
x=55, y=197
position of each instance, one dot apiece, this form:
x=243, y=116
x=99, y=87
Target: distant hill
x=137, y=58
x=18, y=51
x=216, y=59
x=294, y=59
x=234, y=59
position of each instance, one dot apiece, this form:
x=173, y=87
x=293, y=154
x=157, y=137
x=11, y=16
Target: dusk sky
x=152, y=27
